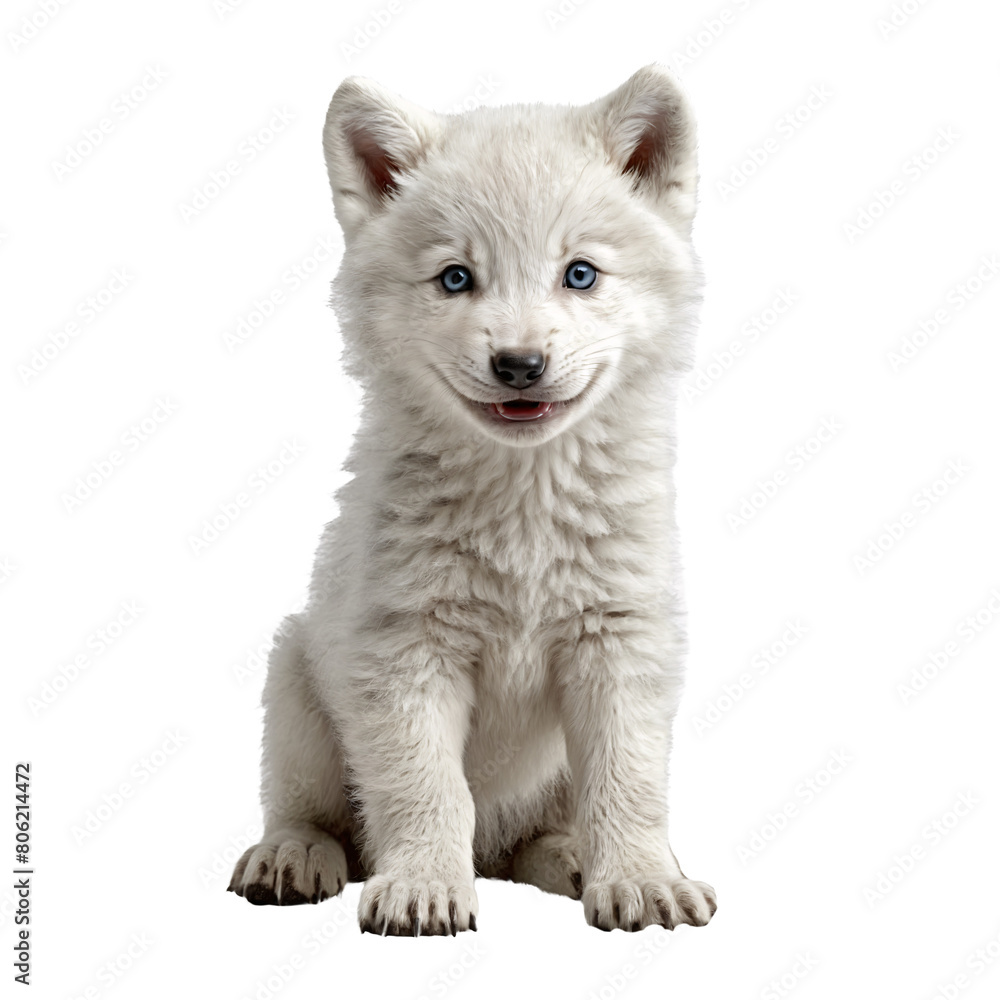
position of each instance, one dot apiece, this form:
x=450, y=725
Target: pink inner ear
x=379, y=166
x=641, y=159
x=647, y=155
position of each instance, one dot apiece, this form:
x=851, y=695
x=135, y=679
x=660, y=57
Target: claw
x=472, y=922
x=416, y=927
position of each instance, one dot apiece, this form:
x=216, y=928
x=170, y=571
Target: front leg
x=618, y=698
x=404, y=729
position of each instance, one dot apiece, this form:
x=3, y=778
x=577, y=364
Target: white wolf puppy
x=485, y=677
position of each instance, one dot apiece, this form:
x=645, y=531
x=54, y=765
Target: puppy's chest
x=529, y=545
x=512, y=673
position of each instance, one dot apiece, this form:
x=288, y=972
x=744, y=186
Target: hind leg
x=549, y=856
x=301, y=857
x=551, y=862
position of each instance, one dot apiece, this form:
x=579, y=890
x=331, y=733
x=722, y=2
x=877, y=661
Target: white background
x=820, y=908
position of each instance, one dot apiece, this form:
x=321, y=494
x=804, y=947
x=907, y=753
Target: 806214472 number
x=22, y=813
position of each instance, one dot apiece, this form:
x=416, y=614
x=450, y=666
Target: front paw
x=401, y=906
x=632, y=903
x=296, y=867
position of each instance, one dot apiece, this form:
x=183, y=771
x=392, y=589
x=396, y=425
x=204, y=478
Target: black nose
x=518, y=370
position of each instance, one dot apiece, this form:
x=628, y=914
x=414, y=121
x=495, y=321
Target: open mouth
x=522, y=409
x=521, y=412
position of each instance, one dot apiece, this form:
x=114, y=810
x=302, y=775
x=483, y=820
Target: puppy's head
x=514, y=268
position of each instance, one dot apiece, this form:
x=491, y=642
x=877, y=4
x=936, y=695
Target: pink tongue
x=522, y=410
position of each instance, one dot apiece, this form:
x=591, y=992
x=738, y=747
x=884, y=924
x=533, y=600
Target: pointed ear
x=371, y=139
x=648, y=130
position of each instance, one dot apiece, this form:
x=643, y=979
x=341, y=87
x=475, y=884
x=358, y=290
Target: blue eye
x=580, y=275
x=456, y=279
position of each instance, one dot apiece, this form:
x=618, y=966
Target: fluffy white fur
x=485, y=677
